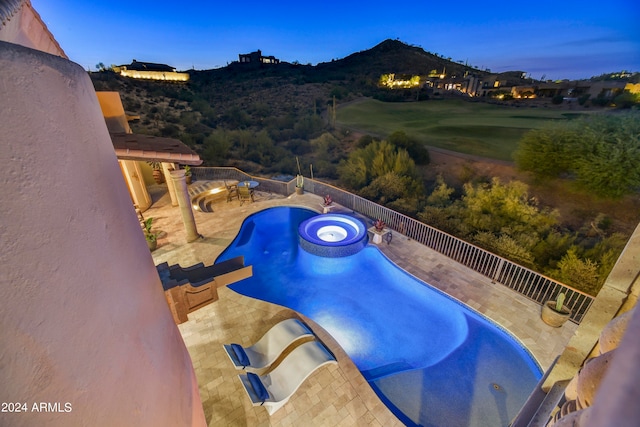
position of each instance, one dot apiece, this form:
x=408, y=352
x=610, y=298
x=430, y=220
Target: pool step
x=201, y=187
x=202, y=199
x=386, y=370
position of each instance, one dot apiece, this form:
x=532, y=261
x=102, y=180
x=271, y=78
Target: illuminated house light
x=150, y=71
x=390, y=81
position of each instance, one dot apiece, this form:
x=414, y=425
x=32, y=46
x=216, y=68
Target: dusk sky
x=556, y=39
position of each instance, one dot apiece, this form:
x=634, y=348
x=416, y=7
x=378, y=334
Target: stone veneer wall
x=84, y=325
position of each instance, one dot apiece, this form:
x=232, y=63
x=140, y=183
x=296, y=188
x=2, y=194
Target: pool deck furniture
x=261, y=355
x=274, y=389
x=250, y=184
x=232, y=191
x=245, y=193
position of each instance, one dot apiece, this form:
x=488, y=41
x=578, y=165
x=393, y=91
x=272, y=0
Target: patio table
x=250, y=184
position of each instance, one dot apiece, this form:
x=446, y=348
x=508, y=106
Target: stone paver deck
x=334, y=395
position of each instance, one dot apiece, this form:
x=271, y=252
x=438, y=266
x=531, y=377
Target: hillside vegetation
x=263, y=119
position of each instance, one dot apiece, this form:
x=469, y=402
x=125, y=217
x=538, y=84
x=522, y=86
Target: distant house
x=256, y=58
x=604, y=89
x=607, y=89
x=148, y=66
x=151, y=71
x=550, y=89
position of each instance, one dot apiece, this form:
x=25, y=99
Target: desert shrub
x=378, y=159
x=299, y=146
x=308, y=127
x=416, y=150
x=170, y=131
x=325, y=169
x=626, y=100
x=600, y=153
x=363, y=141
x=579, y=273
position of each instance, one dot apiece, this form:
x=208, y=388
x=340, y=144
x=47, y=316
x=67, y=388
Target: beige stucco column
x=182, y=194
x=166, y=170
x=133, y=177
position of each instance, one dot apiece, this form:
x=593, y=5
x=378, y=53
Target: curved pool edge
x=469, y=311
x=472, y=310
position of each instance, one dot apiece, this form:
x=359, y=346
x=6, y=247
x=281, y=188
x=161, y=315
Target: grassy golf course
x=475, y=128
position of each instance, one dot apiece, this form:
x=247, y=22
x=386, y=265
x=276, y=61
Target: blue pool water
x=430, y=359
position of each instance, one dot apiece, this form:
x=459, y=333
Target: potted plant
x=328, y=200
x=157, y=171
x=555, y=313
x=187, y=174
x=379, y=225
x=299, y=184
x=152, y=238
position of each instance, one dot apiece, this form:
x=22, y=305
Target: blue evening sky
x=556, y=39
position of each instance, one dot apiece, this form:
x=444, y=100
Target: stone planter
x=553, y=318
x=299, y=190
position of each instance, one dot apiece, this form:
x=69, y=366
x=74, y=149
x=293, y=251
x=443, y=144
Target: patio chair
x=274, y=389
x=232, y=191
x=273, y=343
x=245, y=193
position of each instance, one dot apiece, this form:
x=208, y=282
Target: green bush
x=557, y=99
x=416, y=150
x=600, y=153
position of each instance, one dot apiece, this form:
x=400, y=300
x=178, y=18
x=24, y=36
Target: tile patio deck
x=335, y=395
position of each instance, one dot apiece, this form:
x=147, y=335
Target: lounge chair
x=232, y=191
x=264, y=352
x=245, y=193
x=274, y=389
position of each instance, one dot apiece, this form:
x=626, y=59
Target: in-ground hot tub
x=332, y=235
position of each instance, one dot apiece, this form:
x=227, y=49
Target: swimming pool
x=430, y=359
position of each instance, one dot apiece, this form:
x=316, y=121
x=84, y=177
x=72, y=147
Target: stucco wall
x=25, y=27
x=113, y=111
x=84, y=326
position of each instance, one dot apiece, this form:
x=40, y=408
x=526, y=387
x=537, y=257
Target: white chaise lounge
x=274, y=389
x=263, y=353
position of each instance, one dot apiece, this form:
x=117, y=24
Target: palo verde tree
x=381, y=172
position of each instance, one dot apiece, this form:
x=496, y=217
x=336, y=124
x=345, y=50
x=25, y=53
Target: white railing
x=527, y=282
